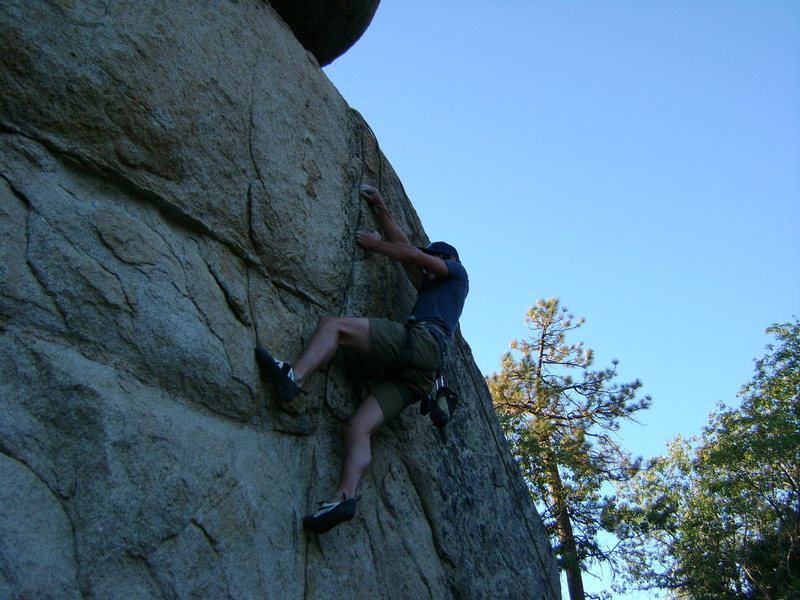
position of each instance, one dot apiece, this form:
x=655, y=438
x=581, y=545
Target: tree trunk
x=572, y=567
x=569, y=549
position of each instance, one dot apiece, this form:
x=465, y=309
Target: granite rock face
x=178, y=183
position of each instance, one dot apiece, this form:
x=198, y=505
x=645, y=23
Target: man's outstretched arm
x=393, y=234
x=415, y=262
x=390, y=229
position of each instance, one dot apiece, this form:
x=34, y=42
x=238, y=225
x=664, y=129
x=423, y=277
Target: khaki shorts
x=400, y=386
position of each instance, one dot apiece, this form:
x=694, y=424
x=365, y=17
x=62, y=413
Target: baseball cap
x=440, y=248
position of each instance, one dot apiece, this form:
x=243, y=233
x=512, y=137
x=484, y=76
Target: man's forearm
x=390, y=229
x=409, y=256
x=399, y=251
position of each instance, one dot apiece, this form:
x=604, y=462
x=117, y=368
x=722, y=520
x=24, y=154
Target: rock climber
x=410, y=352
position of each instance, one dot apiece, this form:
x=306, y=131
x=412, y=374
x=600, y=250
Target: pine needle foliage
x=560, y=418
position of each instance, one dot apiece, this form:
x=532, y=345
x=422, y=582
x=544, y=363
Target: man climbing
x=410, y=352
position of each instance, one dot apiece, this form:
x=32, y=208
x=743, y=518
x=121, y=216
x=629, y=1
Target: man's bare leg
x=331, y=332
x=357, y=457
x=357, y=453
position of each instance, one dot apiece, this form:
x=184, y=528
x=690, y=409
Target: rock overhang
x=327, y=29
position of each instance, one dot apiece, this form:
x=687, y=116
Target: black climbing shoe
x=425, y=405
x=330, y=514
x=443, y=407
x=280, y=374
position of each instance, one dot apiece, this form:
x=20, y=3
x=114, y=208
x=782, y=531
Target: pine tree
x=559, y=418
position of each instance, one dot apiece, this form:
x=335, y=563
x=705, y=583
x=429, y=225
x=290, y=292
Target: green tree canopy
x=719, y=517
x=559, y=417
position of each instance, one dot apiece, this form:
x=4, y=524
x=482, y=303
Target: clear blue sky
x=640, y=160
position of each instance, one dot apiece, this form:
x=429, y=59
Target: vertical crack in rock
x=128, y=306
x=16, y=191
x=358, y=223
x=248, y=291
x=42, y=279
x=256, y=169
x=420, y=568
x=238, y=310
x=430, y=518
x=29, y=263
x=373, y=558
x=307, y=566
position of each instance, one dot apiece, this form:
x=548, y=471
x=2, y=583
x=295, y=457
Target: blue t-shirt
x=441, y=299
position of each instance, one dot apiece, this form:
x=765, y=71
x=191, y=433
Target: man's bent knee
x=351, y=332
x=342, y=325
x=365, y=421
x=351, y=430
